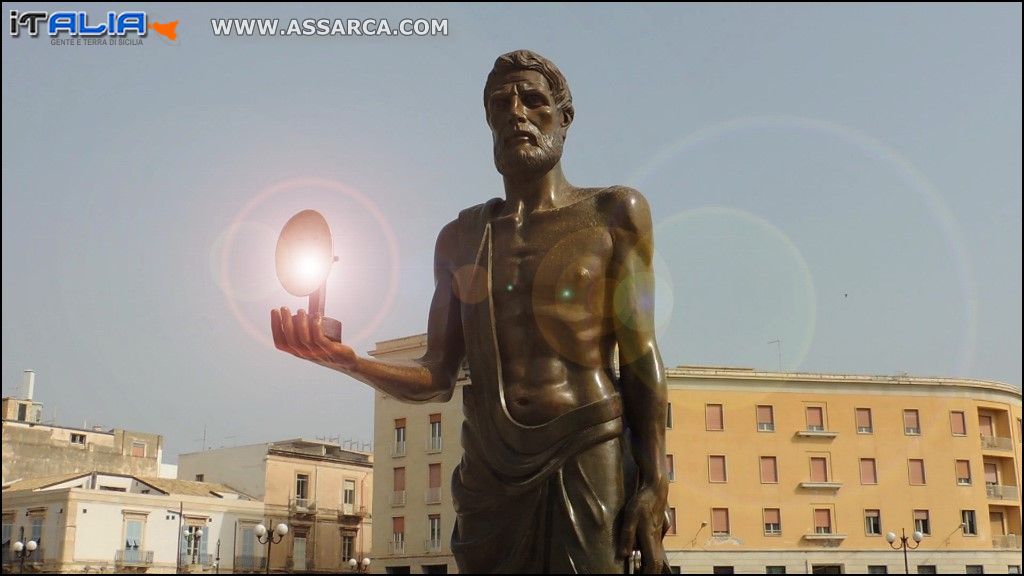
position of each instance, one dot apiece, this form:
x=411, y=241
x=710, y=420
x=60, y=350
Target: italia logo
x=79, y=24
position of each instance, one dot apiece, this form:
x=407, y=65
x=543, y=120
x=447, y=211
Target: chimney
x=29, y=383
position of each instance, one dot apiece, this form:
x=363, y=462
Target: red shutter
x=868, y=473
x=720, y=520
x=917, y=471
x=769, y=470
x=399, y=479
x=815, y=418
x=772, y=516
x=819, y=470
x=764, y=415
x=713, y=417
x=823, y=519
x=717, y=468
x=957, y=423
x=435, y=476
x=435, y=418
x=863, y=418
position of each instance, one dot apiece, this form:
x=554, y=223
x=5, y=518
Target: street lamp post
x=359, y=565
x=891, y=538
x=269, y=539
x=23, y=550
x=193, y=538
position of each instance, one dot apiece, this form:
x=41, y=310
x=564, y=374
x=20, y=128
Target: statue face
x=527, y=126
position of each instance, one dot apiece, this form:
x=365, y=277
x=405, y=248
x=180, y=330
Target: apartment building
x=320, y=490
x=771, y=473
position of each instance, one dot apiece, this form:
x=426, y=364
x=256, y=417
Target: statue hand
x=644, y=523
x=303, y=336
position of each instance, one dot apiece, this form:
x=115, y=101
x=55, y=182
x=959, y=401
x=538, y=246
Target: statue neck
x=530, y=193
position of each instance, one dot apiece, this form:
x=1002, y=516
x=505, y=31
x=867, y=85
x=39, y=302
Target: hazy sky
x=843, y=179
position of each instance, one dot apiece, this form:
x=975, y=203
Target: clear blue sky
x=844, y=179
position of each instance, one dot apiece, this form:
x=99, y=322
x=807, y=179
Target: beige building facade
x=320, y=490
x=771, y=473
x=113, y=523
x=32, y=449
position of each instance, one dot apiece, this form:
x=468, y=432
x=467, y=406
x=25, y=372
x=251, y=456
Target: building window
x=716, y=469
x=1013, y=568
x=78, y=439
x=133, y=530
x=434, y=532
x=963, y=472
x=878, y=569
x=987, y=425
x=774, y=569
x=719, y=521
x=714, y=419
x=916, y=472
x=765, y=419
x=922, y=522
x=772, y=522
x=991, y=474
x=398, y=492
x=348, y=496
x=911, y=423
x=815, y=419
x=434, y=486
x=668, y=415
x=671, y=520
x=192, y=539
x=301, y=486
x=822, y=521
x=670, y=467
x=975, y=569
x=926, y=569
x=872, y=522
x=398, y=448
x=248, y=559
x=769, y=470
x=868, y=472
x=139, y=449
x=723, y=570
x=200, y=477
x=969, y=522
x=819, y=469
x=348, y=546
x=957, y=423
x=398, y=535
x=864, y=421
x=434, y=441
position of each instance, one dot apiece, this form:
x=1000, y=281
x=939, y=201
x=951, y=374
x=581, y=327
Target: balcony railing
x=302, y=505
x=398, y=498
x=996, y=443
x=250, y=564
x=820, y=485
x=396, y=547
x=432, y=544
x=432, y=496
x=433, y=444
x=6, y=551
x=998, y=492
x=766, y=426
x=398, y=449
x=1007, y=542
x=202, y=558
x=133, y=557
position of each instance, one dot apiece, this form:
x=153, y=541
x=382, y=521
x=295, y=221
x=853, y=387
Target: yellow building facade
x=771, y=473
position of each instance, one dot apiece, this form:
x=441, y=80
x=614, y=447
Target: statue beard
x=529, y=160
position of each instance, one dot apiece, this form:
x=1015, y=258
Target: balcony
x=398, y=449
x=432, y=545
x=996, y=443
x=196, y=558
x=433, y=444
x=998, y=492
x=133, y=557
x=432, y=496
x=816, y=432
x=821, y=485
x=1007, y=542
x=398, y=498
x=250, y=564
x=825, y=537
x=396, y=547
x=302, y=506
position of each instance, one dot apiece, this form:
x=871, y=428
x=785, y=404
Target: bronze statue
x=543, y=292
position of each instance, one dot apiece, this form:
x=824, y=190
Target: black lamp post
x=23, y=550
x=359, y=565
x=270, y=538
x=891, y=538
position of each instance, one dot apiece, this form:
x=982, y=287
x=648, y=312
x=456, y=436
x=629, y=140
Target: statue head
x=529, y=110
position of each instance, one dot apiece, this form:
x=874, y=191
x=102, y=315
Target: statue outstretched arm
x=428, y=378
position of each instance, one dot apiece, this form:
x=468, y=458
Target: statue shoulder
x=625, y=208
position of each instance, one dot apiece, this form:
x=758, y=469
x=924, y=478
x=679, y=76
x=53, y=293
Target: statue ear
x=567, y=118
